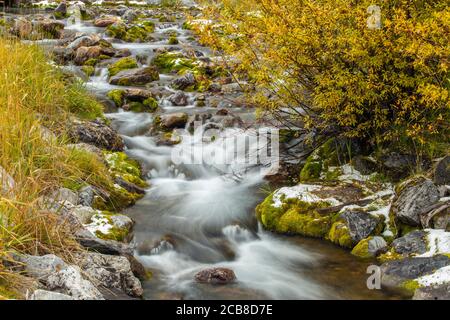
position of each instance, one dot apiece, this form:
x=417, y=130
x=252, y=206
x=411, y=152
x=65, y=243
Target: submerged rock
x=179, y=99
x=216, y=276
x=172, y=121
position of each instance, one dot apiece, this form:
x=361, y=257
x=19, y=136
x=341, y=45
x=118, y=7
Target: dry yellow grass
x=33, y=97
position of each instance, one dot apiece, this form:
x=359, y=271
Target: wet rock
x=83, y=54
x=441, y=292
x=122, y=53
x=137, y=95
x=84, y=41
x=184, y=82
x=216, y=276
x=395, y=273
x=138, y=76
x=231, y=121
x=129, y=16
x=412, y=243
x=106, y=21
x=130, y=187
x=222, y=112
x=70, y=281
x=179, y=99
x=360, y=224
x=442, y=171
x=370, y=247
x=215, y=87
x=49, y=295
x=97, y=133
x=111, y=272
x=65, y=195
x=173, y=121
x=413, y=198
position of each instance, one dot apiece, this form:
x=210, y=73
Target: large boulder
x=413, y=199
x=84, y=41
x=442, y=171
x=216, y=276
x=22, y=27
x=97, y=133
x=394, y=274
x=137, y=76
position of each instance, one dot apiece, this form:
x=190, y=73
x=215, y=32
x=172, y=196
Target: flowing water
x=198, y=216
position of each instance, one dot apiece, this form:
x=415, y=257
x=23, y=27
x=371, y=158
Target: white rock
x=49, y=295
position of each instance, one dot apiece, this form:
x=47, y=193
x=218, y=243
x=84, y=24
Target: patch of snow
x=441, y=276
x=438, y=242
x=99, y=222
x=301, y=192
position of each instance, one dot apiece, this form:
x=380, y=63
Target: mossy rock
x=122, y=64
x=173, y=62
x=121, y=165
x=117, y=96
x=90, y=62
x=88, y=70
x=173, y=40
x=340, y=235
x=294, y=217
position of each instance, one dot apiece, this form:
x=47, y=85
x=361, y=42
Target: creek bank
x=405, y=226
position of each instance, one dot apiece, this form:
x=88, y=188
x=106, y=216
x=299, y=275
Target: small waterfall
x=75, y=16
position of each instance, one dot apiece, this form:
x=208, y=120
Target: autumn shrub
x=379, y=73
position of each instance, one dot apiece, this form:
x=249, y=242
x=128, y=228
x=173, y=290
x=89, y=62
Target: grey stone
x=395, y=273
x=377, y=245
x=442, y=171
x=360, y=224
x=64, y=195
x=83, y=213
x=111, y=272
x=412, y=243
x=184, y=82
x=440, y=292
x=71, y=282
x=415, y=197
x=49, y=295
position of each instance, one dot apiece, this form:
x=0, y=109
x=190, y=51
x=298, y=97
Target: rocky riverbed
x=190, y=230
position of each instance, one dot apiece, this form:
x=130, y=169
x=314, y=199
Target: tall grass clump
x=36, y=100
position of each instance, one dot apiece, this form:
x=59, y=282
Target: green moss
x=104, y=57
x=390, y=256
x=117, y=30
x=59, y=15
x=128, y=169
x=362, y=249
x=294, y=217
x=122, y=64
x=91, y=62
x=173, y=62
x=340, y=235
x=88, y=70
x=410, y=285
x=114, y=233
x=117, y=96
x=173, y=40
x=187, y=25
x=140, y=32
x=311, y=170
x=151, y=104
